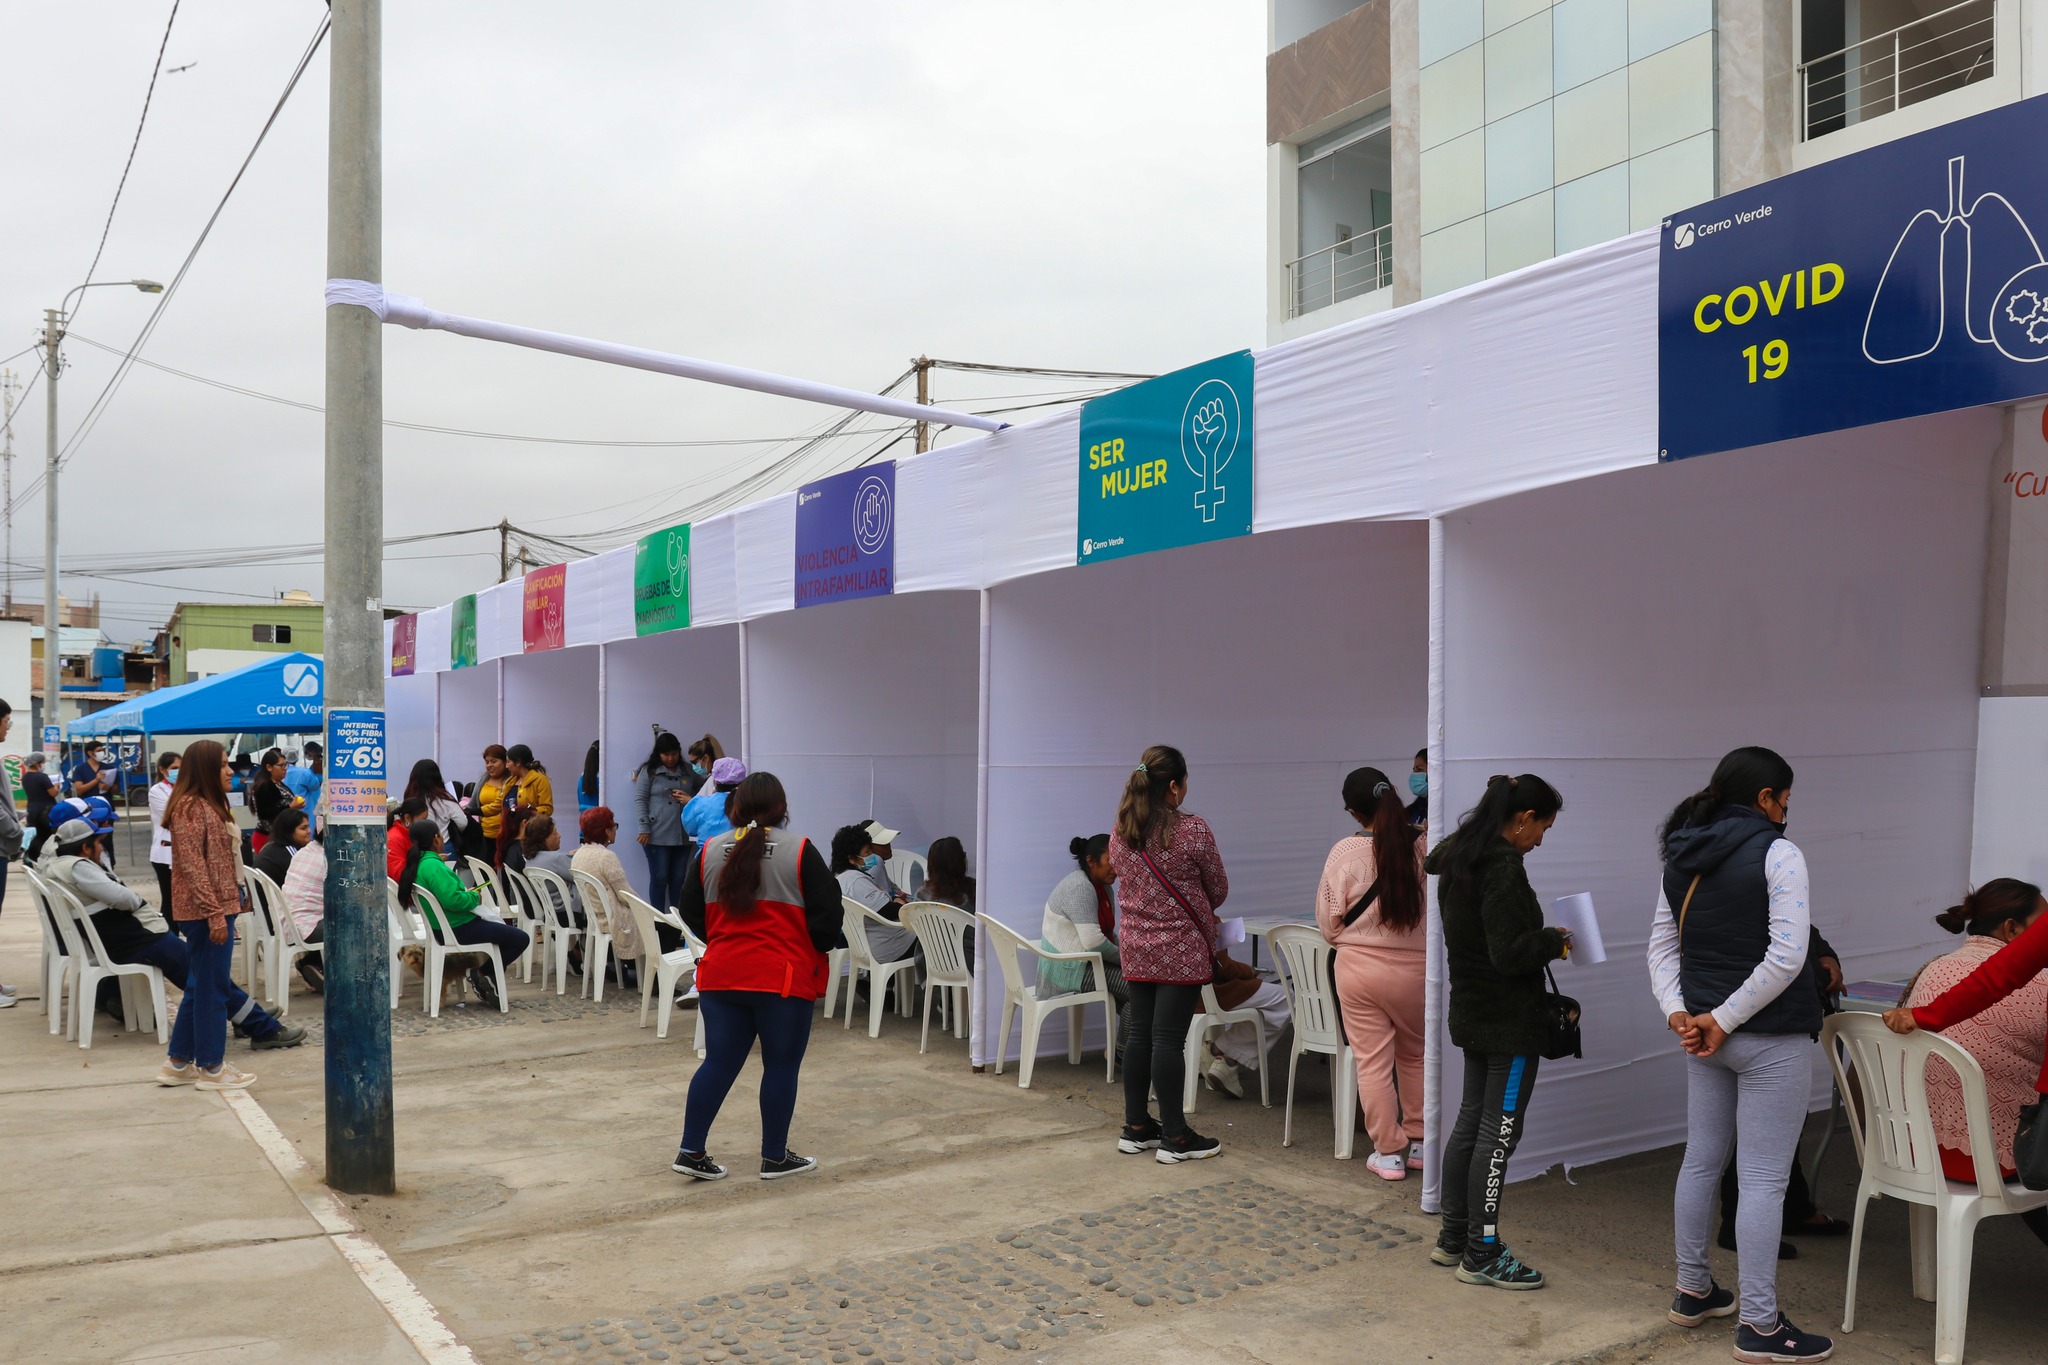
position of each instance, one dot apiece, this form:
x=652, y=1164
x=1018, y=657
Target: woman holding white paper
x=1730, y=968
x=1369, y=907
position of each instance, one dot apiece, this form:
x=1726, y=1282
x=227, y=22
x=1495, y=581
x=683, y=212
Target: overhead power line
x=129, y=164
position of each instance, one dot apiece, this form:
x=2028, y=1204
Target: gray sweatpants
x=1754, y=1089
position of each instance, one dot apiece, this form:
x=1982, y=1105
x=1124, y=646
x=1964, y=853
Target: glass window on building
x=1345, y=190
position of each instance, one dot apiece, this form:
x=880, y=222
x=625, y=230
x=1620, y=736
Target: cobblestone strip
x=1022, y=1290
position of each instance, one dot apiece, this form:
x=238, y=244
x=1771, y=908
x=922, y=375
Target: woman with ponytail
x=768, y=910
x=1990, y=998
x=1495, y=948
x=1369, y=906
x=1172, y=878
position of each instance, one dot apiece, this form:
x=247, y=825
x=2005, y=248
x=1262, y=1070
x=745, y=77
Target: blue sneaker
x=1503, y=1271
x=1690, y=1310
x=1783, y=1344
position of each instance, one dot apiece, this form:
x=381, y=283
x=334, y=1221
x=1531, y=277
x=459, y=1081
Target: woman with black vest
x=1729, y=964
x=1495, y=947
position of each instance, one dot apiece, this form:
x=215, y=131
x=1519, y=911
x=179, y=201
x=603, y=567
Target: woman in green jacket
x=1496, y=946
x=426, y=870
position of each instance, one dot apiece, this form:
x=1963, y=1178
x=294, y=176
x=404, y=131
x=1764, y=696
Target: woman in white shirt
x=159, y=838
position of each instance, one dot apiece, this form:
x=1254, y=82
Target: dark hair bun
x=1077, y=845
x=1955, y=919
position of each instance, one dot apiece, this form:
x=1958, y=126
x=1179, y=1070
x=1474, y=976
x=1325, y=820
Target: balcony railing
x=1341, y=271
x=1944, y=51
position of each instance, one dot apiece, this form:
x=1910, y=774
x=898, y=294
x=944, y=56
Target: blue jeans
x=511, y=941
x=200, y=1033
x=666, y=865
x=128, y=941
x=732, y=1020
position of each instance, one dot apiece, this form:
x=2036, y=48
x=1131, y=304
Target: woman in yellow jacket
x=527, y=793
x=490, y=800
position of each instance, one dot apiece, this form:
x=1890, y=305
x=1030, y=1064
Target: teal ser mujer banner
x=1167, y=462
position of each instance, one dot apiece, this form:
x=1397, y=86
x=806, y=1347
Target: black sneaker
x=1447, y=1252
x=1690, y=1310
x=1784, y=1344
x=486, y=987
x=310, y=971
x=1189, y=1146
x=788, y=1164
x=287, y=1035
x=1133, y=1141
x=1503, y=1271
x=699, y=1166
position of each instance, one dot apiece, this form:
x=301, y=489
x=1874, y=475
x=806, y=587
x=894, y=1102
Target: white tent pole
x=603, y=692
x=406, y=311
x=977, y=1009
x=746, y=711
x=1439, y=818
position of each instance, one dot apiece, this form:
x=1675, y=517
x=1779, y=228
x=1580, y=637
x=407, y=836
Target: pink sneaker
x=1414, y=1156
x=1387, y=1165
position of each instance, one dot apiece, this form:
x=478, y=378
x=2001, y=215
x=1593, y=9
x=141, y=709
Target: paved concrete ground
x=956, y=1217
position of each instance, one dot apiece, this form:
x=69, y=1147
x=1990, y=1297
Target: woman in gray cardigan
x=660, y=788
x=1080, y=917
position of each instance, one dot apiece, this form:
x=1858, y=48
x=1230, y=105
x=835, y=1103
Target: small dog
x=454, y=967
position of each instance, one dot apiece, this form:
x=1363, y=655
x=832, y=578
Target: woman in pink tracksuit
x=1369, y=906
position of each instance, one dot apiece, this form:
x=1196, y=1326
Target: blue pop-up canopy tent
x=281, y=694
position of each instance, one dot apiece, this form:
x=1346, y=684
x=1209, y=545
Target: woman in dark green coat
x=1495, y=946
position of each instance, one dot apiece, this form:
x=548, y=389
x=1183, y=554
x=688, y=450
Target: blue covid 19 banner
x=846, y=536
x=1167, y=462
x=1906, y=279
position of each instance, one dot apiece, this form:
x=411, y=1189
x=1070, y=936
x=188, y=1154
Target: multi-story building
x=205, y=638
x=1416, y=146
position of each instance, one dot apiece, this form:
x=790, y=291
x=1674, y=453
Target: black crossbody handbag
x=2030, y=1146
x=1561, y=1019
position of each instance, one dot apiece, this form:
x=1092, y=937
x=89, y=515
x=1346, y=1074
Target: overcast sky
x=822, y=188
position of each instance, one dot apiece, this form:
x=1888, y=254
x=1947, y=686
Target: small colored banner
x=1167, y=462
x=405, y=635
x=462, y=633
x=545, y=620
x=846, y=536
x=661, y=581
x=12, y=764
x=355, y=790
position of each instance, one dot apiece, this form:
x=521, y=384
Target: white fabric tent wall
x=1616, y=636
x=500, y=614
x=870, y=708
x=1276, y=663
x=551, y=707
x=686, y=681
x=431, y=644
x=468, y=717
x=410, y=719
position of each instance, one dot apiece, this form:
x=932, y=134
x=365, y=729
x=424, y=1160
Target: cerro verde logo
x=871, y=514
x=1087, y=547
x=302, y=680
x=1682, y=236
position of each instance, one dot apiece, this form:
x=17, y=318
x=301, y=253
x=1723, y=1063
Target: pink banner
x=405, y=634
x=545, y=615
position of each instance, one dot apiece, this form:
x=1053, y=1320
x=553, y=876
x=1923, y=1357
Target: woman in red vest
x=768, y=910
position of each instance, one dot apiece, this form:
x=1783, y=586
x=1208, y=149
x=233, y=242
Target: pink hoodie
x=1347, y=875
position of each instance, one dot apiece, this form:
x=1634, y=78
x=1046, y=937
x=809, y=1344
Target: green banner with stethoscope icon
x=1167, y=462
x=661, y=581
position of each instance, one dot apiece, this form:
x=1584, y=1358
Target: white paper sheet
x=1575, y=915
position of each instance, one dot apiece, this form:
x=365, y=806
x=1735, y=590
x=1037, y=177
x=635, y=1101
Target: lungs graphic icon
x=1972, y=271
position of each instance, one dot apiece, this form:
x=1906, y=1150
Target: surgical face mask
x=171, y=776
x=1418, y=783
x=1778, y=825
x=698, y=768
x=874, y=863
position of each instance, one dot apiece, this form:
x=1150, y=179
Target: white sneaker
x=227, y=1077
x=6, y=990
x=1222, y=1074
x=1388, y=1165
x=6, y=1002
x=1414, y=1156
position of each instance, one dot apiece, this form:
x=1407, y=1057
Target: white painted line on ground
x=391, y=1287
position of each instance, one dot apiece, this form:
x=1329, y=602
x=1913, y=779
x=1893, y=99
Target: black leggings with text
x=1489, y=1128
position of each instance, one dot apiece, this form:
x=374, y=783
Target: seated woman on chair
x=850, y=850
x=426, y=870
x=1080, y=917
x=289, y=832
x=2008, y=1035
x=594, y=855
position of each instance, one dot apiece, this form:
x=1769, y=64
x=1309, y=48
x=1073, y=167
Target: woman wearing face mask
x=1730, y=967
x=660, y=789
x=1418, y=787
x=1495, y=947
x=705, y=752
x=851, y=858
x=159, y=837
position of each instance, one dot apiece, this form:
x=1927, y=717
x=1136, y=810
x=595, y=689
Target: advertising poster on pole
x=1167, y=462
x=544, y=621
x=355, y=790
x=846, y=536
x=405, y=635
x=661, y=581
x=462, y=633
x=1909, y=278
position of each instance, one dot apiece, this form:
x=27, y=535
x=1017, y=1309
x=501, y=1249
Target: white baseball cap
x=879, y=833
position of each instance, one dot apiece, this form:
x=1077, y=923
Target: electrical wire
x=129, y=164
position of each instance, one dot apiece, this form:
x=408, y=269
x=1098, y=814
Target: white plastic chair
x=405, y=928
x=1895, y=1142
x=500, y=891
x=1007, y=946
x=282, y=946
x=558, y=926
x=254, y=929
x=658, y=969
x=598, y=911
x=91, y=965
x=907, y=870
x=441, y=942
x=1303, y=956
x=942, y=932
x=860, y=958
x=57, y=957
x=1215, y=1016
x=695, y=945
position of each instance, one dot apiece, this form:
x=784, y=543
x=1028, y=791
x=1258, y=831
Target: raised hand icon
x=1208, y=440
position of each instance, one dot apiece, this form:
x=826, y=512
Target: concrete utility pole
x=358, y=998
x=53, y=665
x=504, y=548
x=7, y=388
x=923, y=366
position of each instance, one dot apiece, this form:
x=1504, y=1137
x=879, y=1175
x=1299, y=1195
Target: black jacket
x=1496, y=946
x=1726, y=929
